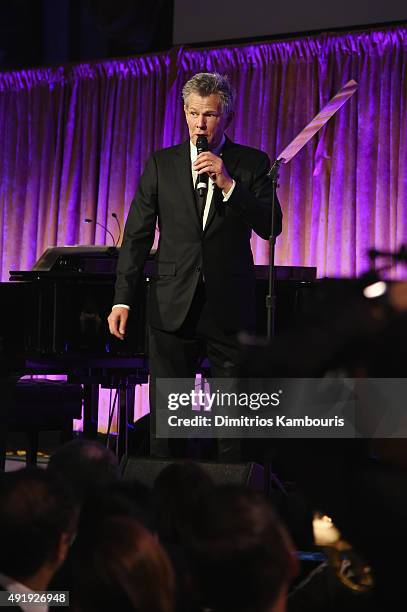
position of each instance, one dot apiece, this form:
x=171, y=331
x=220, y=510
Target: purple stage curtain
x=74, y=140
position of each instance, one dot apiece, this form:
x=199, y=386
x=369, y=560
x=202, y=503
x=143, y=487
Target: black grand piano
x=54, y=321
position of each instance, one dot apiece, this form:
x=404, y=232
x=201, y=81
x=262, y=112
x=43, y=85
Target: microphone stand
x=271, y=300
x=271, y=297
x=115, y=217
x=103, y=227
x=289, y=152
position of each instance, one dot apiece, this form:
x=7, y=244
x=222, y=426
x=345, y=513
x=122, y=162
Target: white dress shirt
x=211, y=184
x=12, y=586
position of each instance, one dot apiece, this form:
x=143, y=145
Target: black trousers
x=178, y=355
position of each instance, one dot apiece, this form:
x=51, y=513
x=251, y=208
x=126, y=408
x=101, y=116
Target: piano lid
x=86, y=258
x=101, y=261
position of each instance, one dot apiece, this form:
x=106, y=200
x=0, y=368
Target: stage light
x=375, y=290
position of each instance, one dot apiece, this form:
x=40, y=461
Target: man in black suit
x=203, y=288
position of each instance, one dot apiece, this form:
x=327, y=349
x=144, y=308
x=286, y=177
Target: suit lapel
x=230, y=158
x=184, y=179
x=216, y=207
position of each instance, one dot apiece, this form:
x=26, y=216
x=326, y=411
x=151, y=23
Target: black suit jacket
x=221, y=253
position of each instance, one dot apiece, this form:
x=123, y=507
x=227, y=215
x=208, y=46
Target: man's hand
x=118, y=321
x=214, y=166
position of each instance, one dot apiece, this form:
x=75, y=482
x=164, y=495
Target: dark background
x=49, y=32
x=52, y=32
x=196, y=21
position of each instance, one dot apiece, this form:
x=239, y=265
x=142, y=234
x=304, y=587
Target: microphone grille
x=202, y=143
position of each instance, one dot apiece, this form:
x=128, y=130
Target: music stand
x=285, y=156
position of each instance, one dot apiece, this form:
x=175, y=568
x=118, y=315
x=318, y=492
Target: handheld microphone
x=119, y=226
x=103, y=226
x=202, y=180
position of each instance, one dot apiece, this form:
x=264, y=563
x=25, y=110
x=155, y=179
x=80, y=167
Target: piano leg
x=32, y=447
x=3, y=445
x=90, y=410
x=126, y=415
x=7, y=385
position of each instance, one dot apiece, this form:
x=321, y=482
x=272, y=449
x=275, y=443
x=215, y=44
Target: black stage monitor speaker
x=146, y=471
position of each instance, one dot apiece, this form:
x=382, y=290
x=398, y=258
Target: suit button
x=198, y=269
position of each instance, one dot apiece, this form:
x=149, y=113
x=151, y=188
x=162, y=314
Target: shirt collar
x=13, y=586
x=216, y=151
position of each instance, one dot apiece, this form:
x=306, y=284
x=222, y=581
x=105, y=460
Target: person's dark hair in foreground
x=37, y=522
x=122, y=498
x=240, y=555
x=176, y=491
x=119, y=565
x=86, y=464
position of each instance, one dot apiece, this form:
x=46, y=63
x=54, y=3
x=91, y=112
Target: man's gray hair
x=206, y=83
